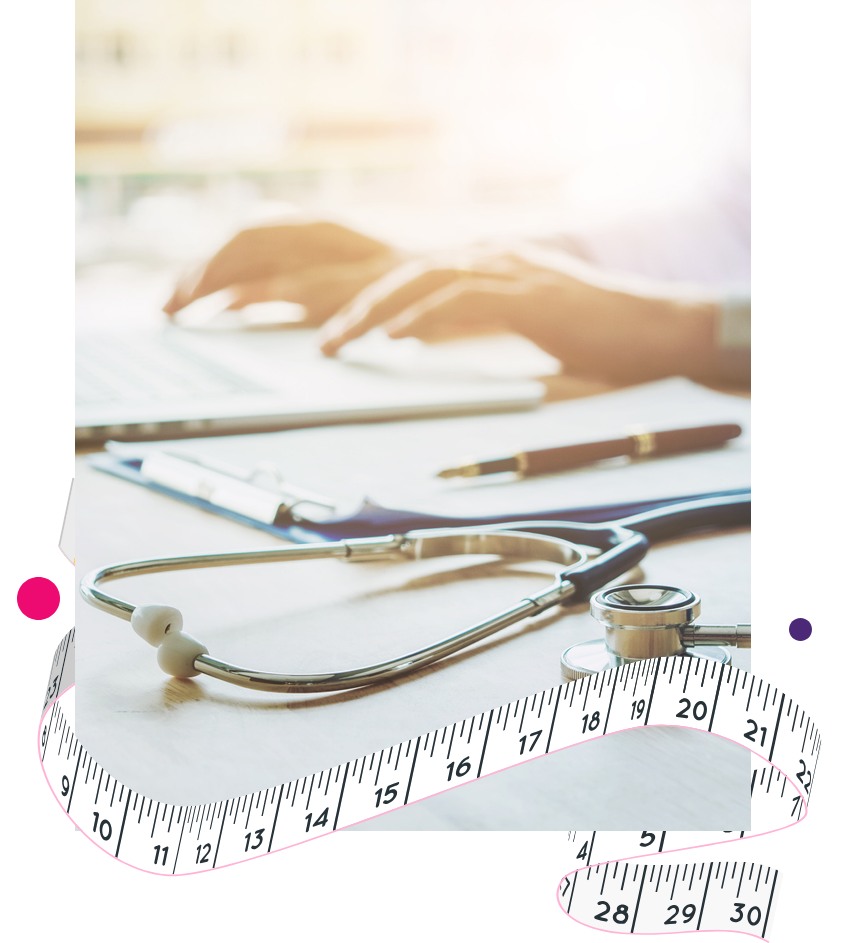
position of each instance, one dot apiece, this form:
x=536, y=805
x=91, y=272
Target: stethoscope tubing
x=621, y=545
x=374, y=519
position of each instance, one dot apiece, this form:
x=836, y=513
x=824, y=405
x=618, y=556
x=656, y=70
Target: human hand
x=430, y=299
x=593, y=323
x=319, y=265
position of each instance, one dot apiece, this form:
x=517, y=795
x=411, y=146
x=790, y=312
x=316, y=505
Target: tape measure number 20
x=605, y=892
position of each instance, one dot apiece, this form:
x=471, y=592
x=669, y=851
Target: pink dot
x=38, y=598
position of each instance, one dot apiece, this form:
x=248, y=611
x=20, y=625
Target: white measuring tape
x=604, y=892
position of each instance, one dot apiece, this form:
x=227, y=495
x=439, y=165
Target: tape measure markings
x=724, y=910
x=705, y=901
x=686, y=692
x=459, y=761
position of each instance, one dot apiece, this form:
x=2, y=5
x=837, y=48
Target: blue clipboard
x=373, y=520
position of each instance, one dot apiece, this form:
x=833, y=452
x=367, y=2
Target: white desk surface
x=201, y=740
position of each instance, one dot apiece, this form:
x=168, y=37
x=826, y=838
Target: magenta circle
x=38, y=598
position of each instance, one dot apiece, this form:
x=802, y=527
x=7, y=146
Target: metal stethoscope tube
x=183, y=656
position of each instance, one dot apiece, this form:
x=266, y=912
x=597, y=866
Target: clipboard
x=374, y=479
x=371, y=519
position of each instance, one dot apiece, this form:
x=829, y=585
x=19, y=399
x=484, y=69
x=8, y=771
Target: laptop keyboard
x=113, y=368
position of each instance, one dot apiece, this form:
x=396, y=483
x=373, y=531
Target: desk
x=197, y=741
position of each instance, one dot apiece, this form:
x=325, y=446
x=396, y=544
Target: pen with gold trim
x=564, y=457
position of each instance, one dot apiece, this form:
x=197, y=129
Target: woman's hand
x=319, y=265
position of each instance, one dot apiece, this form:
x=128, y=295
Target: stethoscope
x=649, y=620
x=642, y=623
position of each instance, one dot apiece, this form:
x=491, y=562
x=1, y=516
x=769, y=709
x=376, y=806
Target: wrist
x=648, y=337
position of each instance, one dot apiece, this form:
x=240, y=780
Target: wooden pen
x=637, y=445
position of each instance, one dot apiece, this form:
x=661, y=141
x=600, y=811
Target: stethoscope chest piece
x=648, y=621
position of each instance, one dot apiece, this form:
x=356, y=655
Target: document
x=395, y=464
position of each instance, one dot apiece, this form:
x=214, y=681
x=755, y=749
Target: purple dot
x=38, y=598
x=800, y=629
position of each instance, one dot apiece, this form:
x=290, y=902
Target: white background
x=441, y=885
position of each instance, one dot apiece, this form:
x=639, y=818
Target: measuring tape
x=602, y=891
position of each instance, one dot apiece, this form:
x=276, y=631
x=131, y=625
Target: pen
x=637, y=445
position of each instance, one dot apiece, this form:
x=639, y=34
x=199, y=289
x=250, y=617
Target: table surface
x=197, y=741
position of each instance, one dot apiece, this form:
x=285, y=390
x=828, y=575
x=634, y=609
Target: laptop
x=171, y=382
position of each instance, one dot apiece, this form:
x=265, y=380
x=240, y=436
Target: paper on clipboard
x=395, y=464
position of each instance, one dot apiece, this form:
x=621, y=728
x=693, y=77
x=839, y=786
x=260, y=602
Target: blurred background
x=422, y=121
